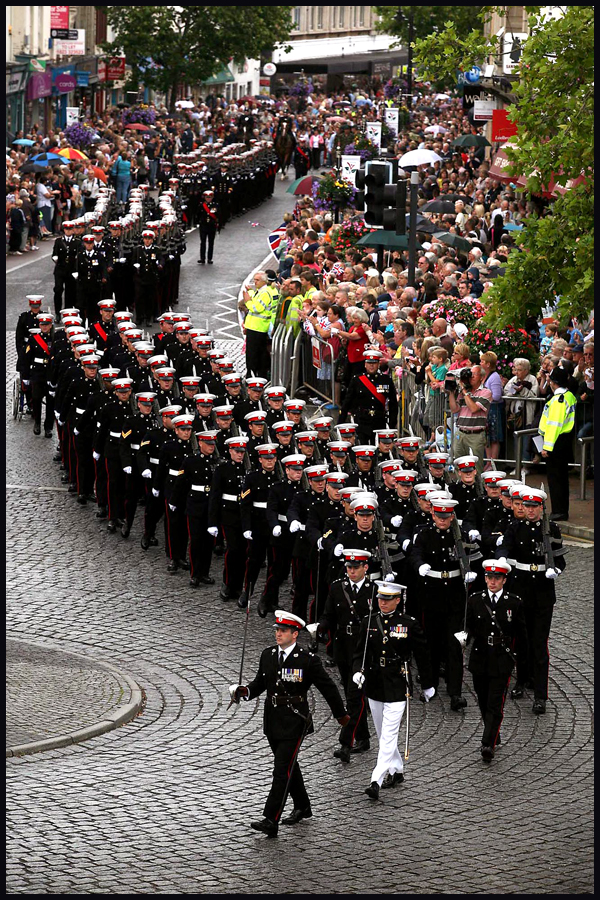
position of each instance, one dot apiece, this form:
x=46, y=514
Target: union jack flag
x=276, y=237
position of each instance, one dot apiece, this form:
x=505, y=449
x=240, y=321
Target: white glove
x=294, y=526
x=127, y=470
x=123, y=259
x=499, y=541
x=396, y=521
x=359, y=679
x=406, y=543
x=147, y=473
x=60, y=422
x=54, y=258
x=424, y=569
x=155, y=493
x=277, y=531
x=470, y=576
x=502, y=559
x=94, y=454
x=76, y=431
x=312, y=629
x=172, y=508
x=428, y=693
x=338, y=549
x=57, y=415
x=248, y=535
x=389, y=577
x=461, y=637
x=75, y=275
x=213, y=531
x=136, y=265
x=474, y=535
x=320, y=544
x=552, y=573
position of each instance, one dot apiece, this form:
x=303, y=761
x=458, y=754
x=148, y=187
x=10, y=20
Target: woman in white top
x=89, y=189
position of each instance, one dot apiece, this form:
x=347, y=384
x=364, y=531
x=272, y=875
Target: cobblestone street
x=163, y=803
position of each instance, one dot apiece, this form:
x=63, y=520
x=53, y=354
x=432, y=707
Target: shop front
x=16, y=82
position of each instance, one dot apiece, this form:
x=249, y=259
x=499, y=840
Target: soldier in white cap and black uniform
x=496, y=623
x=148, y=459
x=148, y=264
x=371, y=397
x=208, y=225
x=287, y=672
x=170, y=467
x=279, y=500
x=390, y=638
x=224, y=511
x=253, y=509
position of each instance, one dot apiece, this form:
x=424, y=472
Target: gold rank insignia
x=126, y=433
x=244, y=494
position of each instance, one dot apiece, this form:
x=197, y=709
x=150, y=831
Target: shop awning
x=222, y=77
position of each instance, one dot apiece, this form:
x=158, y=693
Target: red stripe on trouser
x=168, y=529
x=191, y=554
x=292, y=761
x=246, y=581
x=548, y=666
x=225, y=579
x=77, y=470
x=107, y=487
x=360, y=715
x=501, y=711
x=270, y=575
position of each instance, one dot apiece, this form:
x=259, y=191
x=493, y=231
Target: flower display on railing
x=79, y=135
x=333, y=191
x=363, y=147
x=141, y=114
x=301, y=89
x=394, y=88
x=507, y=343
x=347, y=234
x=454, y=310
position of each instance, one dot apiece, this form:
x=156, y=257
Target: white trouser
x=387, y=718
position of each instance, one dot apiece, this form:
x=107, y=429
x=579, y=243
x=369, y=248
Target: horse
x=284, y=143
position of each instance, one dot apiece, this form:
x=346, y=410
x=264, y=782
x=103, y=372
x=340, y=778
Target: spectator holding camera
x=471, y=402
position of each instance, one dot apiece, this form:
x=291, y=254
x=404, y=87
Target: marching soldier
x=468, y=488
x=208, y=225
x=279, y=501
x=107, y=444
x=91, y=277
x=148, y=461
x=371, y=398
x=170, y=466
x=253, y=509
x=283, y=436
x=224, y=511
x=297, y=517
x=496, y=622
x=135, y=426
x=148, y=264
x=436, y=467
x=364, y=474
x=287, y=672
x=34, y=371
x=253, y=402
x=476, y=512
x=64, y=256
x=386, y=641
x=534, y=550
x=410, y=455
x=497, y=519
x=82, y=426
x=348, y=602
x=100, y=330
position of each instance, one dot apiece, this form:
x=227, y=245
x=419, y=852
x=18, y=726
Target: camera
x=450, y=383
x=466, y=376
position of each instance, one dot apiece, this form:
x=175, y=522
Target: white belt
x=201, y=487
x=526, y=567
x=155, y=461
x=229, y=497
x=80, y=412
x=38, y=359
x=282, y=518
x=173, y=471
x=453, y=573
x=260, y=505
x=135, y=446
x=302, y=527
x=115, y=433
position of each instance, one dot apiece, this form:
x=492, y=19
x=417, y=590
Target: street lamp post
x=412, y=227
x=338, y=169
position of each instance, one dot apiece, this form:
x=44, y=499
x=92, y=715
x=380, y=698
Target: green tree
x=554, y=114
x=167, y=46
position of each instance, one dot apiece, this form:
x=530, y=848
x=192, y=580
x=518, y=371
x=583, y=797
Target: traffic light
x=359, y=184
x=379, y=193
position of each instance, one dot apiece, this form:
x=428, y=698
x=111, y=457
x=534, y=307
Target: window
x=100, y=26
x=342, y=17
x=297, y=17
x=361, y=15
x=311, y=18
x=319, y=16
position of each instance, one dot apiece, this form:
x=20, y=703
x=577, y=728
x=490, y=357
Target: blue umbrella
x=24, y=142
x=510, y=226
x=47, y=157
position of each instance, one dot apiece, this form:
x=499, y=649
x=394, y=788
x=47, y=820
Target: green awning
x=221, y=77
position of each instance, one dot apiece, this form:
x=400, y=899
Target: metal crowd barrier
x=583, y=443
x=312, y=361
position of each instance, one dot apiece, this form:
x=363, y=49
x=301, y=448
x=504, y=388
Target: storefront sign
x=502, y=127
x=37, y=65
x=483, y=110
x=111, y=69
x=373, y=133
x=269, y=69
x=59, y=17
x=72, y=115
x=349, y=167
x=391, y=119
x=72, y=48
x=512, y=47
x=15, y=82
x=39, y=85
x=83, y=79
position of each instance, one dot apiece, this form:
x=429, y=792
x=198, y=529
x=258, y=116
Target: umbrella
x=24, y=142
x=455, y=197
x=436, y=129
x=48, y=159
x=418, y=158
x=442, y=97
x=303, y=185
x=438, y=206
x=100, y=174
x=425, y=226
x=137, y=126
x=453, y=240
x=343, y=103
x=33, y=167
x=510, y=226
x=10, y=138
x=185, y=104
x=471, y=140
x=72, y=153
x=388, y=239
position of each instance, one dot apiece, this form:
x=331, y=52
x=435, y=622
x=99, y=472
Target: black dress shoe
x=262, y=607
x=111, y=526
x=266, y=826
x=125, y=530
x=102, y=513
x=200, y=262
x=219, y=550
x=498, y=741
x=183, y=564
x=517, y=692
x=37, y=429
x=173, y=566
x=487, y=753
x=343, y=753
x=57, y=457
x=539, y=706
x=194, y=582
x=72, y=489
x=457, y=702
x=81, y=498
x=206, y=579
x=242, y=600
x=329, y=662
x=296, y=816
x=145, y=541
x=225, y=593
x=391, y=781
x=373, y=791
x=360, y=747
x=64, y=479
x=153, y=542
x=210, y=262
x=47, y=434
